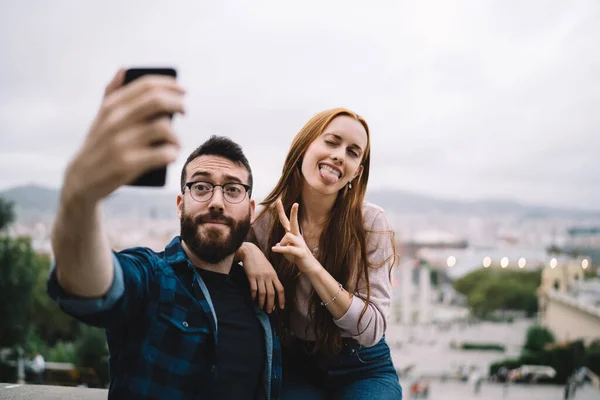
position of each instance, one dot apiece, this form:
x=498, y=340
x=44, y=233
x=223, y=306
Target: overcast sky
x=478, y=99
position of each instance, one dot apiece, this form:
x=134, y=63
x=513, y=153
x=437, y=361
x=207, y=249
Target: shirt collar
x=175, y=256
x=178, y=260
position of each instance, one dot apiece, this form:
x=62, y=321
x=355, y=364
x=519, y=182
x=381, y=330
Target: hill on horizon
x=36, y=201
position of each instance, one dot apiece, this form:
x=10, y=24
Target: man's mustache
x=213, y=217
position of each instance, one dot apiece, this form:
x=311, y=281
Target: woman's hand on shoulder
x=264, y=283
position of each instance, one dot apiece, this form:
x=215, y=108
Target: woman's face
x=335, y=157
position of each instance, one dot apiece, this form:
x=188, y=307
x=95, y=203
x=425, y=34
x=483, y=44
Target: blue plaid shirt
x=162, y=339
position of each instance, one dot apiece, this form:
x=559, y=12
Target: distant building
x=562, y=276
x=569, y=306
x=584, y=242
x=432, y=239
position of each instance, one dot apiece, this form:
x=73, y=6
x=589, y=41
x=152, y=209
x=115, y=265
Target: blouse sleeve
x=381, y=258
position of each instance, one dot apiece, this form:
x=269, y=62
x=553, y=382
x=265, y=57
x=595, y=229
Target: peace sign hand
x=292, y=245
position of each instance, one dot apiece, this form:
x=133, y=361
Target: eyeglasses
x=234, y=193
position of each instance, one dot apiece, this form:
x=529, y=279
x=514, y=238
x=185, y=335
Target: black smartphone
x=156, y=177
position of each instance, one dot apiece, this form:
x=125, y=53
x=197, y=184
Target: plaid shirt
x=162, y=339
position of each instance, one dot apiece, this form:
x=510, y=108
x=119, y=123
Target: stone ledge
x=16, y=391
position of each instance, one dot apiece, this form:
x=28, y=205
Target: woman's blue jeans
x=357, y=372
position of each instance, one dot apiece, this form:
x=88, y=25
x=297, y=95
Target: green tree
x=7, y=215
x=34, y=343
x=19, y=273
x=488, y=290
x=537, y=338
x=469, y=282
x=30, y=316
x=434, y=277
x=63, y=352
x=48, y=321
x=593, y=356
x=92, y=351
x=590, y=273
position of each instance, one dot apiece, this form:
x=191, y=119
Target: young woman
x=334, y=257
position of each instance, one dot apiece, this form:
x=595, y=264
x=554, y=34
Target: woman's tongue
x=328, y=176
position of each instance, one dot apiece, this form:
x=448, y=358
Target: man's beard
x=213, y=245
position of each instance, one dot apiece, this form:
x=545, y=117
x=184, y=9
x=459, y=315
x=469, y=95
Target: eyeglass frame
x=248, y=189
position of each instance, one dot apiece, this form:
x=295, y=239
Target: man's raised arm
x=120, y=146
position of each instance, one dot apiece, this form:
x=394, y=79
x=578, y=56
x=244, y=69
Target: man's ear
x=252, y=210
x=179, y=206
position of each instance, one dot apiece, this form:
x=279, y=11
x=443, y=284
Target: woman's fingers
x=262, y=294
x=284, y=242
x=270, y=297
x=294, y=225
x=253, y=288
x=280, y=293
x=285, y=222
x=289, y=250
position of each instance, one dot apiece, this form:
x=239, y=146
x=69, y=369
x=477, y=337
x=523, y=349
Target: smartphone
x=156, y=177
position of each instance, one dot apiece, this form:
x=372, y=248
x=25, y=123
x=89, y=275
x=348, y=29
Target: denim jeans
x=358, y=372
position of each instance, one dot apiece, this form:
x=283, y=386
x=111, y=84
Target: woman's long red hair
x=342, y=246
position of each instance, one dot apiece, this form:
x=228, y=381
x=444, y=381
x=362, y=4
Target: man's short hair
x=223, y=147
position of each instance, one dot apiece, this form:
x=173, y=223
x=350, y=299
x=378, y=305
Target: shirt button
x=213, y=368
x=185, y=324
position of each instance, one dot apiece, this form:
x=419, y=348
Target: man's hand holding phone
x=126, y=139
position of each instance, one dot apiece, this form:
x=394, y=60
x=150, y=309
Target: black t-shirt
x=241, y=343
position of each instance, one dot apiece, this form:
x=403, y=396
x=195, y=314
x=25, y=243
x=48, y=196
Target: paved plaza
x=428, y=349
x=464, y=391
